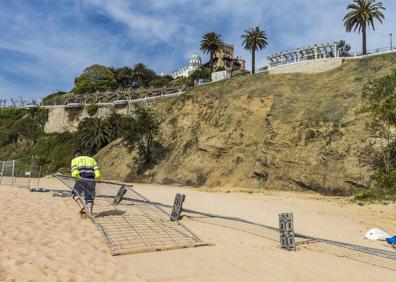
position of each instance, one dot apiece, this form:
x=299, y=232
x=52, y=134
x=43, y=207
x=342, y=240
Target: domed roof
x=195, y=60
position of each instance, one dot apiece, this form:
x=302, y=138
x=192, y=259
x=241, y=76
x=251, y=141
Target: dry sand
x=43, y=239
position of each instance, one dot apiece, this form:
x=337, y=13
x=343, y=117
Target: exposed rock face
x=294, y=131
x=67, y=119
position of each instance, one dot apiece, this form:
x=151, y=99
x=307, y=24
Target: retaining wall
x=311, y=67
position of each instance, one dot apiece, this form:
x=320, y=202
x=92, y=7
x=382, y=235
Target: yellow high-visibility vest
x=85, y=167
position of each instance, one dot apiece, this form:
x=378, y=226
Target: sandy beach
x=43, y=239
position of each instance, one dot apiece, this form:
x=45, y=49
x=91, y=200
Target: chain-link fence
x=20, y=173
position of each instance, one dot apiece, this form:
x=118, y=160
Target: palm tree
x=254, y=40
x=211, y=43
x=143, y=74
x=361, y=16
x=125, y=76
x=140, y=71
x=95, y=133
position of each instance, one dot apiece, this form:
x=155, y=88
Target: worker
x=87, y=171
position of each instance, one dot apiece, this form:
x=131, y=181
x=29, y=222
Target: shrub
x=379, y=101
x=73, y=113
x=40, y=115
x=115, y=120
x=162, y=81
x=56, y=98
x=384, y=189
x=91, y=109
x=62, y=147
x=141, y=131
x=15, y=123
x=201, y=73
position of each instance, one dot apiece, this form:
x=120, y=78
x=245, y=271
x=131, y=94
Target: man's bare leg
x=79, y=203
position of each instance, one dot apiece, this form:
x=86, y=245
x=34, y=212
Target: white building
x=194, y=64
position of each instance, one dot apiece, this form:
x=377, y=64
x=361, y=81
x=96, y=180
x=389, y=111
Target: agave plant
x=95, y=133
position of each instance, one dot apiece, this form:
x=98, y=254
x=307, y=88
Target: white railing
x=353, y=55
x=108, y=104
x=372, y=52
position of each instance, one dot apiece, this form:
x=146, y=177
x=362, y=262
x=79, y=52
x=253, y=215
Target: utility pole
x=391, y=43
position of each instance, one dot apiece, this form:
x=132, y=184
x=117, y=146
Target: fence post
x=30, y=172
x=12, y=173
x=2, y=172
x=38, y=177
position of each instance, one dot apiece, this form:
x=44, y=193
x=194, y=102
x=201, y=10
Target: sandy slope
x=43, y=239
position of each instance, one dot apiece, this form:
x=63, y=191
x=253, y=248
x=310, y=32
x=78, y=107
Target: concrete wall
x=312, y=66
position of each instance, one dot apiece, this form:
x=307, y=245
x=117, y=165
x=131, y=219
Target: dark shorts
x=85, y=187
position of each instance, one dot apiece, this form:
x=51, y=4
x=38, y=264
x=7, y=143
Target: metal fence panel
x=20, y=174
x=134, y=224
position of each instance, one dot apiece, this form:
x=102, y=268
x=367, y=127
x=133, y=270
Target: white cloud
x=161, y=33
x=147, y=26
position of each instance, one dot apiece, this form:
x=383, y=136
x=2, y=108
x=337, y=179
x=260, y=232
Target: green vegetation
x=143, y=75
x=55, y=98
x=91, y=109
x=125, y=77
x=379, y=101
x=98, y=78
x=95, y=78
x=54, y=151
x=254, y=39
x=211, y=43
x=22, y=135
x=361, y=15
x=141, y=131
x=201, y=73
x=74, y=113
x=21, y=124
x=95, y=133
x=161, y=81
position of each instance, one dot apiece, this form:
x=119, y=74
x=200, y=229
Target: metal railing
x=20, y=173
x=119, y=102
x=375, y=51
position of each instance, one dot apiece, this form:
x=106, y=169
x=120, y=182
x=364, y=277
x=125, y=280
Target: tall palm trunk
x=364, y=38
x=253, y=60
x=211, y=62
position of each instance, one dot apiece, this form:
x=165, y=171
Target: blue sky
x=44, y=44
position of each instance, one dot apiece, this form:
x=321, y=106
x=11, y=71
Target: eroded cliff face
x=67, y=119
x=294, y=132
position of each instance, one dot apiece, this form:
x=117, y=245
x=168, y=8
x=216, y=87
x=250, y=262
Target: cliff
x=278, y=131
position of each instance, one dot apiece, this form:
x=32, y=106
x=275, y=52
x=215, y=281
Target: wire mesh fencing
x=131, y=223
x=20, y=174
